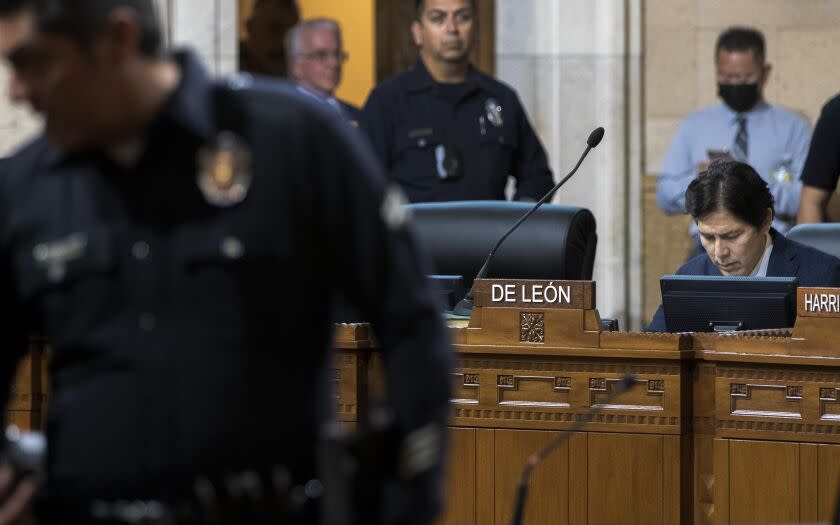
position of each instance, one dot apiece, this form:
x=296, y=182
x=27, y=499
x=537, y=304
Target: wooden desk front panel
x=553, y=393
x=772, y=402
x=774, y=453
x=593, y=478
x=29, y=390
x=761, y=482
x=349, y=378
x=742, y=443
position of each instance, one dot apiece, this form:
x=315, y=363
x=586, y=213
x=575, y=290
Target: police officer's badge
x=224, y=171
x=494, y=112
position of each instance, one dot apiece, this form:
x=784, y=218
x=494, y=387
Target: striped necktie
x=740, y=148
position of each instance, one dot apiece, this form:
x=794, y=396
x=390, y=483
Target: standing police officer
x=445, y=131
x=178, y=242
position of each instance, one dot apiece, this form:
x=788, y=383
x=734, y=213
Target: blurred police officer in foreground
x=177, y=241
x=445, y=131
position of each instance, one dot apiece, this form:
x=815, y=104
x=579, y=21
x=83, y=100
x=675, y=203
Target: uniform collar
x=188, y=106
x=419, y=79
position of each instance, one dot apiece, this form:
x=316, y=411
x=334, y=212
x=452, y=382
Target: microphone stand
x=465, y=306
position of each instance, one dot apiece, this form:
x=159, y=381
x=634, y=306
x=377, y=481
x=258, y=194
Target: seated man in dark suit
x=733, y=209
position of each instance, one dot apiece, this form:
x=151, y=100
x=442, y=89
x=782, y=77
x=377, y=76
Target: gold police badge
x=224, y=171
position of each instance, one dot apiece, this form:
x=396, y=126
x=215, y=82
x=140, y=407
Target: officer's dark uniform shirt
x=413, y=121
x=191, y=338
x=822, y=167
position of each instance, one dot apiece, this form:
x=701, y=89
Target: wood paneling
x=772, y=482
x=460, y=478
x=808, y=482
x=721, y=481
x=666, y=245
x=485, y=494
x=763, y=482
x=703, y=504
x=29, y=390
x=828, y=484
x=676, y=480
x=548, y=500
x=579, y=486
x=24, y=419
x=625, y=479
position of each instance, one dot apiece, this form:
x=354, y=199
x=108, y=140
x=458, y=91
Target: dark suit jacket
x=788, y=259
x=350, y=112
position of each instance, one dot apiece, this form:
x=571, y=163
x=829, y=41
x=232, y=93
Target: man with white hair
x=316, y=57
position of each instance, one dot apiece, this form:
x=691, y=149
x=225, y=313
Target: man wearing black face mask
x=743, y=127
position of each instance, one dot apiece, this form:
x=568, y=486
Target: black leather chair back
x=824, y=237
x=556, y=242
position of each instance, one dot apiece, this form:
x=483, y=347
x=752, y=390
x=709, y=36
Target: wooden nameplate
x=534, y=313
x=818, y=318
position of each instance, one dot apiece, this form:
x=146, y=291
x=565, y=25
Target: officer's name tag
x=535, y=294
x=818, y=302
x=54, y=256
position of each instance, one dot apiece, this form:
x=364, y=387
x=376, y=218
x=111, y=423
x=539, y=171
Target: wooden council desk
x=718, y=429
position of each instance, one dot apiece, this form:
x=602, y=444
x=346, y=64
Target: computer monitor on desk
x=695, y=303
x=449, y=289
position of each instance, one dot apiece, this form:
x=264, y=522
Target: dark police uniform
x=822, y=167
x=417, y=126
x=191, y=336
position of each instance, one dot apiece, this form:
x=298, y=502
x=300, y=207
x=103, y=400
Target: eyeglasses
x=322, y=55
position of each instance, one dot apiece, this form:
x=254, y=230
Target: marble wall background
x=208, y=26
x=577, y=65
x=803, y=40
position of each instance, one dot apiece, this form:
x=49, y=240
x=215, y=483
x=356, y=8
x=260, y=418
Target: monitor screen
x=449, y=289
x=699, y=303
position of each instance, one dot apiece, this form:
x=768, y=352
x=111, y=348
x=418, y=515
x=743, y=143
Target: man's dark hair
x=81, y=20
x=11, y=7
x=742, y=39
x=733, y=187
x=420, y=5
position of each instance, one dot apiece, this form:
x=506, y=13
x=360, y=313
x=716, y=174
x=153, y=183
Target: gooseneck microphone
x=465, y=306
x=537, y=457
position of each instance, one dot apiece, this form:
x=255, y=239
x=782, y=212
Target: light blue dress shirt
x=330, y=101
x=775, y=136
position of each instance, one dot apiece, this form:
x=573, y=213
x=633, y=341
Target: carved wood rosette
x=532, y=327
